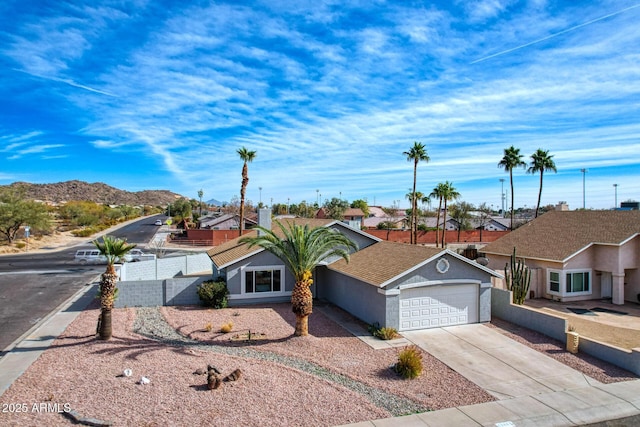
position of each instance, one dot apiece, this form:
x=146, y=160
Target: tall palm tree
x=416, y=154
x=511, y=160
x=449, y=193
x=246, y=156
x=301, y=249
x=113, y=249
x=438, y=192
x=541, y=161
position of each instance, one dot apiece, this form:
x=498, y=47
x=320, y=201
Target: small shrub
x=213, y=294
x=409, y=362
x=208, y=327
x=386, y=333
x=374, y=328
x=226, y=328
x=20, y=245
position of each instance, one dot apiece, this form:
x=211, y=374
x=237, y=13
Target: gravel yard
x=327, y=378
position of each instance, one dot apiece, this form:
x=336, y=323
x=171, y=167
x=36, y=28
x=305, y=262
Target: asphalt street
x=32, y=285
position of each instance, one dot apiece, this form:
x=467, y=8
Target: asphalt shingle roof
x=382, y=261
x=233, y=250
x=558, y=235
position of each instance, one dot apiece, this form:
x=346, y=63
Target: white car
x=158, y=222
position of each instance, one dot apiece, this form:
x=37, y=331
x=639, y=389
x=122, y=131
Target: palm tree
x=449, y=193
x=114, y=250
x=301, y=249
x=438, y=192
x=416, y=153
x=541, y=161
x=246, y=156
x=200, y=194
x=511, y=160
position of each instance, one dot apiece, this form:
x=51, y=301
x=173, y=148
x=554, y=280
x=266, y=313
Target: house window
x=263, y=280
x=569, y=282
x=577, y=282
x=554, y=281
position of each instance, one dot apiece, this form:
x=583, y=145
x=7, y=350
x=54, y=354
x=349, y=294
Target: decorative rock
x=144, y=381
x=233, y=376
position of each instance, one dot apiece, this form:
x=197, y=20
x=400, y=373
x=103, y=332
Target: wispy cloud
x=329, y=94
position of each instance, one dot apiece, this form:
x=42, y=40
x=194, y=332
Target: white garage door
x=438, y=306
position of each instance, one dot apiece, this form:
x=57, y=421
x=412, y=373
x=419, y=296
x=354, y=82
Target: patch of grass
x=409, y=362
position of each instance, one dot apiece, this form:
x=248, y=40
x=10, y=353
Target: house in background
x=224, y=222
x=403, y=286
x=577, y=255
x=352, y=216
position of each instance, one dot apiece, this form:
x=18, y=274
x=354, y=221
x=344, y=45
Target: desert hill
x=97, y=192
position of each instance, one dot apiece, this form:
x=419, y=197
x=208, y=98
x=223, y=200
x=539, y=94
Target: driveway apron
x=500, y=365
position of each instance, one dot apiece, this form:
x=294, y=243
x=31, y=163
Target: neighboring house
x=397, y=285
x=489, y=224
x=577, y=255
x=352, y=216
x=225, y=222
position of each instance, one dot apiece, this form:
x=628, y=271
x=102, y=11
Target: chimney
x=264, y=219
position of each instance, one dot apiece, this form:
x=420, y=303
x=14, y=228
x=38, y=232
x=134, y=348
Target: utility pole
x=502, y=194
x=584, y=174
x=615, y=187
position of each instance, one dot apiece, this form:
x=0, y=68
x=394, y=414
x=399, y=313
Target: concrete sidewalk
x=532, y=389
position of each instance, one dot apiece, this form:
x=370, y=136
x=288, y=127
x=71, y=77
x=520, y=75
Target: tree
x=16, y=212
x=416, y=154
x=362, y=205
x=181, y=209
x=511, y=160
x=335, y=208
x=247, y=157
x=541, y=161
x=438, y=192
x=449, y=193
x=200, y=194
x=484, y=217
x=114, y=250
x=461, y=212
x=301, y=249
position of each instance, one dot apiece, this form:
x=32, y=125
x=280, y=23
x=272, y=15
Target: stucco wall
x=264, y=258
x=360, y=299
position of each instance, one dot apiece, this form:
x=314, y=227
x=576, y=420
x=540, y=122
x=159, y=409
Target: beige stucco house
x=577, y=255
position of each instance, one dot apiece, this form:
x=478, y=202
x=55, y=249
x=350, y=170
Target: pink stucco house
x=577, y=255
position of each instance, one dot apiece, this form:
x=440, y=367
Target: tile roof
x=383, y=261
x=558, y=235
x=233, y=250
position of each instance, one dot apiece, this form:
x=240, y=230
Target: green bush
x=213, y=294
x=409, y=362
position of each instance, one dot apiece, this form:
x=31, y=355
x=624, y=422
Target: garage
x=438, y=306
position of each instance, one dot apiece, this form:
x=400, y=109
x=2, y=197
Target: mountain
x=97, y=192
x=214, y=202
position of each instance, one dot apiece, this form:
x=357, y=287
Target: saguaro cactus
x=518, y=277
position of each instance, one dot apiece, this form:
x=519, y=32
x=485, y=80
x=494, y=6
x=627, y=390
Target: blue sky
x=160, y=95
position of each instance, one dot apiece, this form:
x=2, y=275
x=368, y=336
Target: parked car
x=158, y=222
x=90, y=256
x=135, y=255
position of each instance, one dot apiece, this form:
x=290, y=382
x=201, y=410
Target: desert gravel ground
x=327, y=378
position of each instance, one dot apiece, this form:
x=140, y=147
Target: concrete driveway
x=503, y=367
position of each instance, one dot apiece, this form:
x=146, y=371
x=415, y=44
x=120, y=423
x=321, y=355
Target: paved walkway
x=532, y=389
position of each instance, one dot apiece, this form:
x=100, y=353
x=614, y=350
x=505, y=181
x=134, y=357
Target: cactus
x=518, y=278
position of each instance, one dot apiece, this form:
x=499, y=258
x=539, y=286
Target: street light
x=260, y=188
x=317, y=197
x=584, y=174
x=615, y=187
